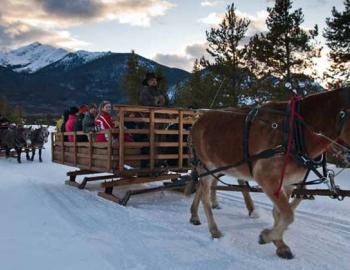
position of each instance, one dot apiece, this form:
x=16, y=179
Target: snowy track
x=47, y=225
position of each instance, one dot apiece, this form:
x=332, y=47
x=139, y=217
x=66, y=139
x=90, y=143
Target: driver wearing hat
x=150, y=94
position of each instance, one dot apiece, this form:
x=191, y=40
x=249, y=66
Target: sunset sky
x=171, y=32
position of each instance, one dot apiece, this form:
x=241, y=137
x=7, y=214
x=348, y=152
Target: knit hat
x=83, y=109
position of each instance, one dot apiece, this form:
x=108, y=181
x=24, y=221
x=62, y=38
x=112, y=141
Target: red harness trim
x=293, y=101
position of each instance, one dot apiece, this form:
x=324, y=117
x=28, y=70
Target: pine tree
x=17, y=115
x=199, y=91
x=163, y=84
x=224, y=47
x=132, y=79
x=337, y=34
x=4, y=106
x=285, y=49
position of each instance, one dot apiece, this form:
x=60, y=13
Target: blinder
x=343, y=116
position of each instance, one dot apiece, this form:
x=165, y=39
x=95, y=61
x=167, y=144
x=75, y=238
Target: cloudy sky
x=171, y=32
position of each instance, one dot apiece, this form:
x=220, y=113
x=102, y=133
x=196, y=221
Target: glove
x=97, y=128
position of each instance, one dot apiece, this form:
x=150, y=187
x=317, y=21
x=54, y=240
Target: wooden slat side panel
x=152, y=139
x=121, y=139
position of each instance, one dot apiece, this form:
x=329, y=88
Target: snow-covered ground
x=48, y=225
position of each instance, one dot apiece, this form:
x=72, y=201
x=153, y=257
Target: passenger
x=59, y=123
x=69, y=126
x=89, y=124
x=104, y=121
x=4, y=122
x=65, y=119
x=150, y=94
x=78, y=125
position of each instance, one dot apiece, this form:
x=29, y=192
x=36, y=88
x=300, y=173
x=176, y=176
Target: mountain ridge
x=51, y=84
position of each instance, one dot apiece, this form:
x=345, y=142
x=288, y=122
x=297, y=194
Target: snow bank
x=48, y=225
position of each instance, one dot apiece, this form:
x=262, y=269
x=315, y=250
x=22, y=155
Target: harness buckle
x=274, y=125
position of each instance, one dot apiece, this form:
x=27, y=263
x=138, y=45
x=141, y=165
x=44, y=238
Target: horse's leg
x=293, y=204
x=206, y=184
x=33, y=154
x=27, y=153
x=214, y=201
x=247, y=199
x=7, y=152
x=40, y=159
x=19, y=151
x=194, y=207
x=284, y=216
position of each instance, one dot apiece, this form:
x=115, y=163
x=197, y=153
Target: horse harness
x=293, y=130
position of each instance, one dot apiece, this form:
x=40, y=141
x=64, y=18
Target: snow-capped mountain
x=32, y=57
x=36, y=56
x=77, y=58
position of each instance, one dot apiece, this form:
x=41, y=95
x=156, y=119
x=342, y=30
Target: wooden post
x=109, y=150
x=90, y=149
x=121, y=139
x=151, y=139
x=75, y=147
x=52, y=146
x=62, y=147
x=181, y=144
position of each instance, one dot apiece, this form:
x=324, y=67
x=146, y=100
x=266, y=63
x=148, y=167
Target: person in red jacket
x=104, y=121
x=69, y=125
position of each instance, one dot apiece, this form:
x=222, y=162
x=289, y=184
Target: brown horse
x=217, y=139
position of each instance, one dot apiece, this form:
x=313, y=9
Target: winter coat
x=69, y=126
x=104, y=121
x=78, y=126
x=89, y=124
x=4, y=121
x=151, y=96
x=59, y=124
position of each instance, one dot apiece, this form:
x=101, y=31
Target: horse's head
x=25, y=134
x=44, y=133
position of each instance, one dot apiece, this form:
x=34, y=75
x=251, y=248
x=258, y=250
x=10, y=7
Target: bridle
x=343, y=116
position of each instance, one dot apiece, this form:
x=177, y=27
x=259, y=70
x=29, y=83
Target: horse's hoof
x=216, y=234
x=195, y=221
x=253, y=214
x=216, y=206
x=284, y=253
x=263, y=239
x=41, y=160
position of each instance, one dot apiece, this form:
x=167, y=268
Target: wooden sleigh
x=159, y=153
